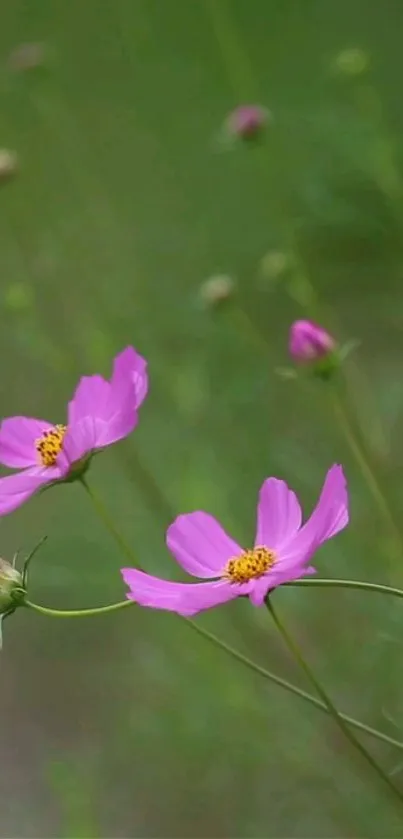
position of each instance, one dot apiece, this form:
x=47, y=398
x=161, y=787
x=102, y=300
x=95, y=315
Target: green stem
x=351, y=584
x=78, y=613
x=277, y=680
x=217, y=642
x=340, y=722
x=109, y=523
x=365, y=467
x=151, y=490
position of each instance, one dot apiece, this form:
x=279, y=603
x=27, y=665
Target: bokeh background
x=126, y=199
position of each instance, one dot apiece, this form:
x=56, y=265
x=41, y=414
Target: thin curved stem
x=288, y=686
x=351, y=584
x=340, y=722
x=109, y=523
x=365, y=467
x=217, y=642
x=78, y=613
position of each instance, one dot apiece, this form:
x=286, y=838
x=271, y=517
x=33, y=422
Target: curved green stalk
x=77, y=613
x=340, y=722
x=109, y=523
x=365, y=467
x=351, y=584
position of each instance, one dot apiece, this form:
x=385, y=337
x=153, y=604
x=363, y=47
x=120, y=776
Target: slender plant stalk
x=349, y=584
x=340, y=722
x=109, y=523
x=78, y=613
x=365, y=467
x=151, y=490
x=217, y=642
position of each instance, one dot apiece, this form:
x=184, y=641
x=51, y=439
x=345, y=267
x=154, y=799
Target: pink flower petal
x=17, y=441
x=200, y=544
x=112, y=405
x=80, y=439
x=278, y=515
x=328, y=518
x=91, y=398
x=276, y=577
x=15, y=489
x=183, y=598
x=120, y=425
x=129, y=369
x=258, y=593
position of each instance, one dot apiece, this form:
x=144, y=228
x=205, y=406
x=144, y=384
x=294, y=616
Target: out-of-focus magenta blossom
x=101, y=412
x=282, y=552
x=309, y=342
x=247, y=121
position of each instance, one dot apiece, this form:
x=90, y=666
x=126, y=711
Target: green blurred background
x=125, y=201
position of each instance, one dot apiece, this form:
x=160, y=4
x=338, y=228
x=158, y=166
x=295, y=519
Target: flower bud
x=27, y=57
x=247, y=121
x=273, y=267
x=351, y=62
x=10, y=587
x=8, y=164
x=216, y=290
x=308, y=342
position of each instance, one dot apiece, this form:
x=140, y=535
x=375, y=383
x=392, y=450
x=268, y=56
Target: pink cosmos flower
x=309, y=342
x=282, y=550
x=100, y=413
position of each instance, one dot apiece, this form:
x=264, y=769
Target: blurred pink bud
x=309, y=342
x=247, y=121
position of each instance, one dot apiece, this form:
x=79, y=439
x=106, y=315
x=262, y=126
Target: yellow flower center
x=50, y=445
x=249, y=565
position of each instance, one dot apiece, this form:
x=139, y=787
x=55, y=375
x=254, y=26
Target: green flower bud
x=216, y=290
x=11, y=587
x=8, y=164
x=352, y=62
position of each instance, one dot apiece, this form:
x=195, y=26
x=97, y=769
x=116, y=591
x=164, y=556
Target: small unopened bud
x=274, y=266
x=308, y=342
x=27, y=57
x=10, y=587
x=18, y=296
x=351, y=62
x=247, y=121
x=8, y=164
x=216, y=290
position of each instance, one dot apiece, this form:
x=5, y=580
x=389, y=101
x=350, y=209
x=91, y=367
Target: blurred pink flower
x=309, y=342
x=282, y=551
x=247, y=120
x=100, y=413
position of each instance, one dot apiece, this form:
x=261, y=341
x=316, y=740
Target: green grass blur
x=124, y=203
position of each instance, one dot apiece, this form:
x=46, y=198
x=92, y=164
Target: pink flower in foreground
x=309, y=342
x=100, y=413
x=282, y=551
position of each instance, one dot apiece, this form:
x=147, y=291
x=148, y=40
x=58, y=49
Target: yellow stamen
x=50, y=445
x=249, y=565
